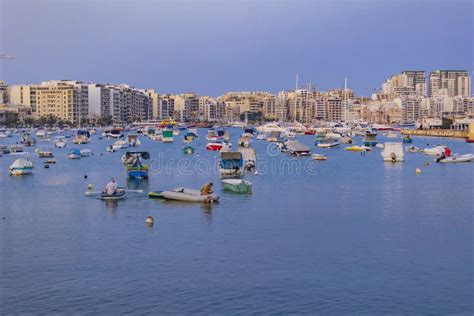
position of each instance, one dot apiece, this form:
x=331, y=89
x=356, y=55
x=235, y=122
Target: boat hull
x=243, y=187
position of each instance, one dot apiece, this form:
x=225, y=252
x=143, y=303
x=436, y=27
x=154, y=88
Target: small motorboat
x=43, y=153
x=60, y=143
x=319, y=157
x=469, y=140
x=218, y=146
x=74, y=154
x=188, y=195
x=237, y=185
x=456, y=158
x=407, y=140
x=119, y=195
x=393, y=152
x=329, y=143
x=370, y=138
x=86, y=152
x=436, y=151
x=49, y=161
x=21, y=166
x=356, y=148
x=16, y=150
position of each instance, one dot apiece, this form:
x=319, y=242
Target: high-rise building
x=450, y=83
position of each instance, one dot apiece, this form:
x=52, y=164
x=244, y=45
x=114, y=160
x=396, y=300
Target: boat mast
x=296, y=97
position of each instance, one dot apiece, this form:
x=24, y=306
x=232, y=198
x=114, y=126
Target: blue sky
x=211, y=46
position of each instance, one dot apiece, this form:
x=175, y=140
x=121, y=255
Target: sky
x=211, y=47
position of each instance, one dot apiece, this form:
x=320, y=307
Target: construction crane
x=3, y=56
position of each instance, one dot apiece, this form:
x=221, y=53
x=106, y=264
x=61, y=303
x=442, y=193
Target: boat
x=193, y=131
x=155, y=195
x=231, y=163
x=188, y=150
x=167, y=136
x=60, y=142
x=382, y=127
x=16, y=149
x=136, y=168
x=119, y=195
x=244, y=141
x=21, y=166
x=223, y=134
x=320, y=137
x=407, y=140
x=43, y=153
x=261, y=137
x=49, y=161
x=249, y=157
x=4, y=133
x=133, y=140
x=182, y=126
x=274, y=136
x=237, y=185
x=296, y=148
x=74, y=154
x=188, y=195
x=346, y=140
x=357, y=148
x=469, y=140
x=27, y=140
x=379, y=145
x=436, y=151
x=393, y=152
x=211, y=135
x=82, y=137
x=4, y=149
x=392, y=134
x=86, y=152
x=218, y=145
x=412, y=149
x=456, y=158
x=120, y=144
x=189, y=137
x=319, y=157
x=270, y=127
x=329, y=143
x=113, y=133
x=370, y=138
x=248, y=131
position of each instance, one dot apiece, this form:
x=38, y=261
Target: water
x=347, y=235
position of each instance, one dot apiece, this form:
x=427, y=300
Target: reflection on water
x=356, y=236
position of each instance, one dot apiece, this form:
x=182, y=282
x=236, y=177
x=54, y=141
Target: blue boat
x=407, y=140
x=74, y=154
x=370, y=139
x=134, y=165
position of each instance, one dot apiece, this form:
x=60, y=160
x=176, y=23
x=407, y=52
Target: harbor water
x=350, y=235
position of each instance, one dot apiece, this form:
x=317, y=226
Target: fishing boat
x=60, y=142
x=188, y=150
x=74, y=154
x=21, y=166
x=133, y=140
x=188, y=195
x=248, y=131
x=44, y=153
x=4, y=150
x=86, y=152
x=223, y=134
x=182, y=126
x=231, y=163
x=436, y=151
x=193, y=131
x=136, y=168
x=329, y=143
x=407, y=140
x=119, y=195
x=237, y=185
x=393, y=152
x=319, y=157
x=456, y=158
x=296, y=148
x=370, y=138
x=167, y=136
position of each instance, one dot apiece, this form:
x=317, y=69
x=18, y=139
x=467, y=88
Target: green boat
x=237, y=185
x=188, y=150
x=155, y=195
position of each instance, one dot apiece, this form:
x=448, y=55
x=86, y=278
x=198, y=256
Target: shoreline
x=436, y=133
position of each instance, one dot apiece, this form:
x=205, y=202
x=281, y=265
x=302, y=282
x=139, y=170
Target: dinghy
x=237, y=185
x=456, y=158
x=188, y=195
x=121, y=194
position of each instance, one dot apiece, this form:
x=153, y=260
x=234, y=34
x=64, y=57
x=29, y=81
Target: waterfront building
x=450, y=83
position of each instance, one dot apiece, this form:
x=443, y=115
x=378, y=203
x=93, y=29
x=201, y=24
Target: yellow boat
x=355, y=148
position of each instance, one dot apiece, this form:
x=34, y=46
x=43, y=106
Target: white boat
x=44, y=153
x=456, y=158
x=120, y=144
x=86, y=152
x=133, y=140
x=412, y=149
x=188, y=195
x=393, y=152
x=237, y=185
x=60, y=142
x=319, y=157
x=392, y=135
x=74, y=154
x=244, y=141
x=436, y=151
x=296, y=148
x=270, y=127
x=249, y=157
x=21, y=166
x=379, y=145
x=329, y=143
x=261, y=137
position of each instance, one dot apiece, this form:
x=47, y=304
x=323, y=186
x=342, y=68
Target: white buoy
x=256, y=172
x=149, y=220
x=90, y=187
x=418, y=171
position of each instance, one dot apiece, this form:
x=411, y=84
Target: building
x=450, y=83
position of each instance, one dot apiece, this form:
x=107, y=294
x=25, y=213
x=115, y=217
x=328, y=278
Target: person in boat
x=447, y=152
x=111, y=187
x=206, y=189
x=443, y=156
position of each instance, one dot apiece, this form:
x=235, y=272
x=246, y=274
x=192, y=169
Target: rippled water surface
x=344, y=236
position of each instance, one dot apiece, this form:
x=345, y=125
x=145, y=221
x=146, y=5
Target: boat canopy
x=295, y=146
x=83, y=133
x=231, y=159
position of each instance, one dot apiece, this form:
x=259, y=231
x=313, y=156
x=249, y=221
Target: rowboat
x=134, y=165
x=237, y=185
x=119, y=195
x=188, y=195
